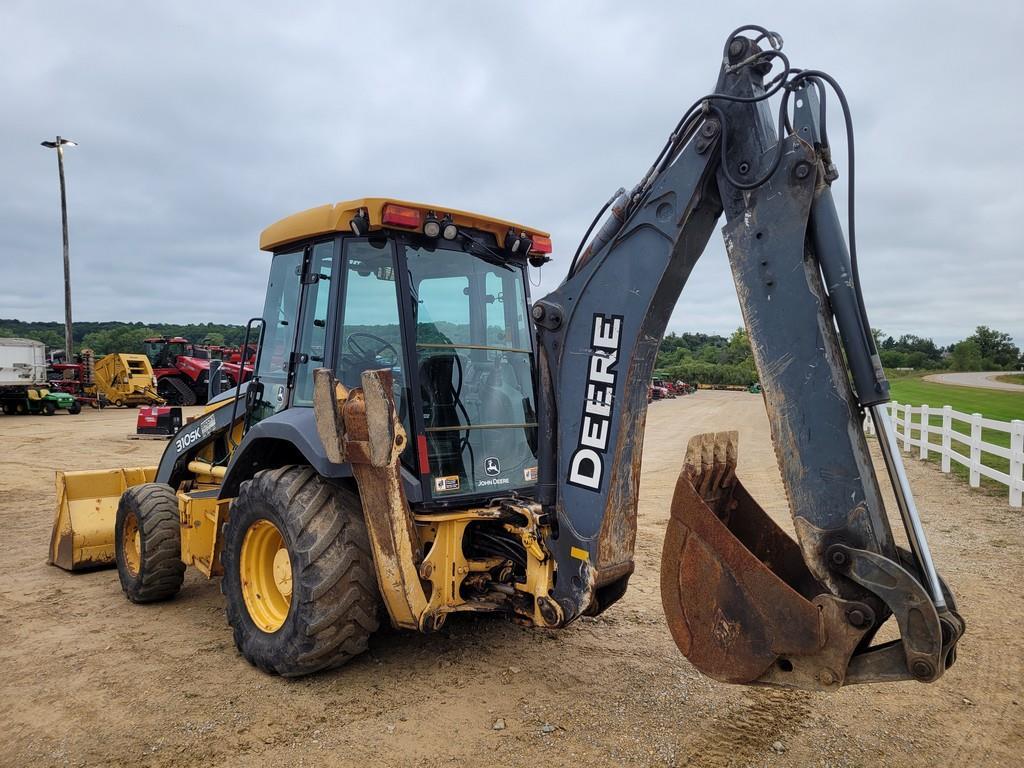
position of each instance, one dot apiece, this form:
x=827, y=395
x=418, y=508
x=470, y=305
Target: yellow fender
x=83, y=530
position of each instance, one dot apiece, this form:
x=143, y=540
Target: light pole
x=59, y=145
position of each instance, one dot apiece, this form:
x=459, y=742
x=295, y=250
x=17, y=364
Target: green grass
x=990, y=403
x=1011, y=378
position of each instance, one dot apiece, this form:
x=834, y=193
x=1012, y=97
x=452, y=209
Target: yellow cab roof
x=326, y=219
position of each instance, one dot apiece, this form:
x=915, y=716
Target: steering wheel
x=368, y=348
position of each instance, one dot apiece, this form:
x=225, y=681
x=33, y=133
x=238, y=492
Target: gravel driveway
x=984, y=379
x=89, y=679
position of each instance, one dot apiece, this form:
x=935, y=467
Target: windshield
x=474, y=364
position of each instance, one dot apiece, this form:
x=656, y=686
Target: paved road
x=984, y=379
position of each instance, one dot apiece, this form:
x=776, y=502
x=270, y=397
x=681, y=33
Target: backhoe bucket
x=740, y=602
x=83, y=529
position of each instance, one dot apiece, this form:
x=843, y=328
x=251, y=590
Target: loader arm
x=744, y=601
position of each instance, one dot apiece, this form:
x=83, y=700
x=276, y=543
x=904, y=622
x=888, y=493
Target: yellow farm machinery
x=117, y=379
x=124, y=379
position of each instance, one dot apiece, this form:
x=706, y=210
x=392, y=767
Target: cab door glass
x=313, y=326
x=371, y=331
x=280, y=313
x=475, y=374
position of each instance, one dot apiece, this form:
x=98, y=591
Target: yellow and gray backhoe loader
x=419, y=435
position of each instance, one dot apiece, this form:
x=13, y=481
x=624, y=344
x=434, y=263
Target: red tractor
x=182, y=370
x=232, y=364
x=662, y=389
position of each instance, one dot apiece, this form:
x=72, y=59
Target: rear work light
x=360, y=223
x=432, y=227
x=401, y=216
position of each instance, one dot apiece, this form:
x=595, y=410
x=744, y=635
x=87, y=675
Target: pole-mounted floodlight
x=59, y=145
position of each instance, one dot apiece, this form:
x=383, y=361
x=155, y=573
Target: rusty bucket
x=740, y=602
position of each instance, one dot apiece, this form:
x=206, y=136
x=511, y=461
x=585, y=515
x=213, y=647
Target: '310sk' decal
x=196, y=433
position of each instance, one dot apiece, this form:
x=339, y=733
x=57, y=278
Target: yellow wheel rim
x=266, y=574
x=131, y=543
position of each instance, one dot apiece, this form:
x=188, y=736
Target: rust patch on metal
x=373, y=440
x=329, y=397
x=740, y=602
x=617, y=537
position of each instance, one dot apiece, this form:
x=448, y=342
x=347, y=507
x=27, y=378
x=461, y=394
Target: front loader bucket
x=740, y=602
x=83, y=529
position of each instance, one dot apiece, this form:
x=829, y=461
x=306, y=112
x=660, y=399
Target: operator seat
x=438, y=380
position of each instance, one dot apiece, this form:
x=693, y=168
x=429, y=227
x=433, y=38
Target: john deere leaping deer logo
x=491, y=466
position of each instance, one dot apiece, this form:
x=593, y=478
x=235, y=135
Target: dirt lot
x=87, y=678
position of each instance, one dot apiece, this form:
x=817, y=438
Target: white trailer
x=22, y=363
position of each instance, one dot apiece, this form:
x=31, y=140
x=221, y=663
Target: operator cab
x=440, y=298
x=162, y=352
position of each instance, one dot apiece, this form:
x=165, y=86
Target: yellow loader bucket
x=83, y=530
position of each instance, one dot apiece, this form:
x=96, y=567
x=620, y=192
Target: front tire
x=75, y=408
x=301, y=592
x=147, y=543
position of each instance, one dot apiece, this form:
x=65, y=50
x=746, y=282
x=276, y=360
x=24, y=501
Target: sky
x=201, y=123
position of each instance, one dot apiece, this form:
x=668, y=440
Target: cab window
x=370, y=335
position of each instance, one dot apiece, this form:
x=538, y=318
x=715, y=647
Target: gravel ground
x=87, y=678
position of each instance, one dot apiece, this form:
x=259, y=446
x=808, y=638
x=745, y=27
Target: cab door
x=269, y=391
x=296, y=316
x=311, y=348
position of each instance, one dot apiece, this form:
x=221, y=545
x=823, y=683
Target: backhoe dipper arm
x=744, y=601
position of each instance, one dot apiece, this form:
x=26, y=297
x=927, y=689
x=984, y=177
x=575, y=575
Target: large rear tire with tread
x=147, y=543
x=300, y=588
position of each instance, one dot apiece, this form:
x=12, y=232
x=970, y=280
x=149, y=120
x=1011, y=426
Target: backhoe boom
x=744, y=601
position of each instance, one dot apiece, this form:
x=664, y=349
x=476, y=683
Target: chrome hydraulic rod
x=905, y=501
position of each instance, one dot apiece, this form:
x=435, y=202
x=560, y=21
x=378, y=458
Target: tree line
x=106, y=337
x=984, y=350
x=692, y=357
x=712, y=359
x=701, y=358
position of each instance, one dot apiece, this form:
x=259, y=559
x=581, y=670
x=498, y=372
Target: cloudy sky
x=201, y=123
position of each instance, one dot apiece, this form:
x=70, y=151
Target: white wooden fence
x=952, y=442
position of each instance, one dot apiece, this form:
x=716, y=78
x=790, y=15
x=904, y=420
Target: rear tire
x=316, y=607
x=147, y=543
